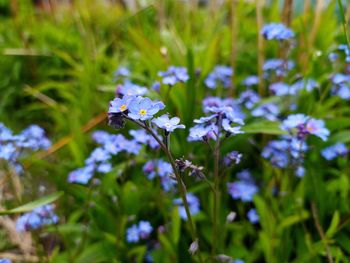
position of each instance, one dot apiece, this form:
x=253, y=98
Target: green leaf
x=30, y=206
x=293, y=219
x=265, y=127
x=334, y=224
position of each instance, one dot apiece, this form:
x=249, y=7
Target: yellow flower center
x=142, y=112
x=122, y=108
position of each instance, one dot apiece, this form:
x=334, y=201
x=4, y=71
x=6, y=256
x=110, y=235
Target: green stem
x=180, y=183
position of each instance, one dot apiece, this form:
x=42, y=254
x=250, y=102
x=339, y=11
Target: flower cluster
x=41, y=216
x=161, y=169
x=110, y=145
x=305, y=125
x=193, y=203
x=251, y=81
x=269, y=111
x=340, y=86
x=221, y=75
x=174, y=75
x=138, y=232
x=244, y=189
x=335, y=150
x=288, y=151
x=223, y=114
x=14, y=146
x=276, y=31
x=131, y=89
x=249, y=98
x=277, y=67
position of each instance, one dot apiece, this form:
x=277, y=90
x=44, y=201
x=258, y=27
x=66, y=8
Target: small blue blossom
x=226, y=125
x=305, y=125
x=331, y=152
x=131, y=89
x=142, y=231
x=251, y=81
x=81, y=175
x=193, y=203
x=280, y=89
x=244, y=189
x=253, y=216
x=174, y=75
x=132, y=234
x=144, y=108
x=163, y=122
x=41, y=216
x=277, y=66
x=119, y=104
x=249, y=98
x=303, y=84
x=232, y=158
x=300, y=171
x=121, y=72
x=277, y=31
x=221, y=75
x=268, y=111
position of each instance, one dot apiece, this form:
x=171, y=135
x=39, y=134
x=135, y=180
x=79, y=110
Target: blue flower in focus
x=221, y=75
x=174, y=75
x=144, y=108
x=163, y=122
x=193, y=203
x=277, y=31
x=119, y=104
x=253, y=216
x=43, y=215
x=333, y=151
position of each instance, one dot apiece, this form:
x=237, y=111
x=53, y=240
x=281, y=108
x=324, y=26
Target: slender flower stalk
x=180, y=183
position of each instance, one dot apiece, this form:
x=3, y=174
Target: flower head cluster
x=341, y=86
x=249, y=98
x=244, y=189
x=14, y=146
x=110, y=145
x=138, y=232
x=41, y=216
x=223, y=115
x=277, y=67
x=131, y=89
x=221, y=75
x=276, y=31
x=288, y=151
x=283, y=89
x=251, y=81
x=193, y=203
x=232, y=158
x=268, y=111
x=335, y=150
x=305, y=125
x=161, y=169
x=174, y=75
x=121, y=72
